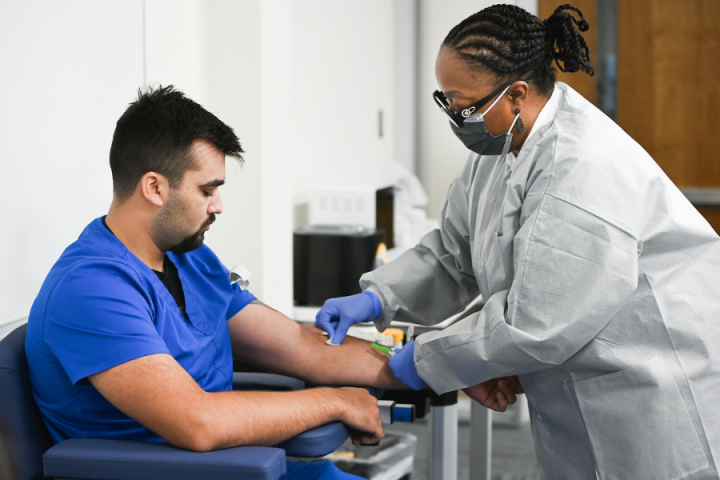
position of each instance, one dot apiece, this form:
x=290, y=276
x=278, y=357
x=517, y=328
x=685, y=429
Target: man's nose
x=216, y=204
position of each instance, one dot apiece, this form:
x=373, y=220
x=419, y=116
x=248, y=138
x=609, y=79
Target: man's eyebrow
x=213, y=184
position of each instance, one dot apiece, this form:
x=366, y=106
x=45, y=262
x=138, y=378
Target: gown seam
x=532, y=230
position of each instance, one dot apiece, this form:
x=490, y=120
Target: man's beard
x=167, y=230
x=191, y=242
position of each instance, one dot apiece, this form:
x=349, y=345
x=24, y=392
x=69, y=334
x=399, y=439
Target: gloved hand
x=338, y=314
x=403, y=367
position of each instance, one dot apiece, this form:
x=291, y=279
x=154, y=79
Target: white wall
x=176, y=46
x=212, y=50
x=234, y=94
x=67, y=72
x=278, y=155
x=440, y=154
x=301, y=90
x=300, y=82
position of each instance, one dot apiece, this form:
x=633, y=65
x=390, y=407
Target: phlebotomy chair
x=33, y=456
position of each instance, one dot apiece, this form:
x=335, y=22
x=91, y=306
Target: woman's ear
x=518, y=92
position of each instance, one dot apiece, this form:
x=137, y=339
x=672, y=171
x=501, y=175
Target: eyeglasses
x=458, y=118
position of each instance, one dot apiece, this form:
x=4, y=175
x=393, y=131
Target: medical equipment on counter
x=328, y=260
x=371, y=206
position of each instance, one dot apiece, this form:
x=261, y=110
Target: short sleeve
x=240, y=299
x=99, y=316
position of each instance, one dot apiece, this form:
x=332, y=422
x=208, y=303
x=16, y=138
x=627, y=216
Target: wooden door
x=668, y=87
x=668, y=91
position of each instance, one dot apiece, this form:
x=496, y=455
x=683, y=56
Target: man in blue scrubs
x=133, y=332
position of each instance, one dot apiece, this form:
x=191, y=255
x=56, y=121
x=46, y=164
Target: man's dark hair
x=156, y=133
x=515, y=45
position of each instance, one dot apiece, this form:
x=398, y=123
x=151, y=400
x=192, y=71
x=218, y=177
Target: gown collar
x=546, y=115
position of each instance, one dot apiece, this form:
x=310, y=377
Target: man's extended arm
x=157, y=392
x=270, y=340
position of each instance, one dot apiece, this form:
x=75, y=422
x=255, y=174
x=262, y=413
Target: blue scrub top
x=100, y=306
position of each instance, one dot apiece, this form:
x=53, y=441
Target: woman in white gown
x=599, y=278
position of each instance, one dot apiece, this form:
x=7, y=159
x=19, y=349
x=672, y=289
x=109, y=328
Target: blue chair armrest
x=314, y=443
x=317, y=442
x=265, y=381
x=124, y=460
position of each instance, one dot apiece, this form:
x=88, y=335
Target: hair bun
x=567, y=44
x=561, y=15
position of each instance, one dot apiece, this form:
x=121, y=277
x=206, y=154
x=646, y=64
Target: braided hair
x=514, y=44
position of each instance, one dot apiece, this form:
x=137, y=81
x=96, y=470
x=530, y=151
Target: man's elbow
x=200, y=445
x=199, y=434
x=193, y=444
x=197, y=442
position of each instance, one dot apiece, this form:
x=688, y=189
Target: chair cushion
x=317, y=442
x=124, y=460
x=19, y=415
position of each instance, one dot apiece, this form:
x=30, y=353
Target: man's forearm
x=265, y=418
x=272, y=341
x=157, y=392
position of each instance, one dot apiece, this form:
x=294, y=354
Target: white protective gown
x=602, y=290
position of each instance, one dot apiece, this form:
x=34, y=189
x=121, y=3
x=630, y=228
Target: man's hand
x=360, y=412
x=496, y=394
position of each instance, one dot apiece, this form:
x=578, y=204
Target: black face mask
x=474, y=134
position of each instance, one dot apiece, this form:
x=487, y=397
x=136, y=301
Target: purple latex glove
x=403, y=367
x=339, y=314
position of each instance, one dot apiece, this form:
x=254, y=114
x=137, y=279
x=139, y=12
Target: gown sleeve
x=572, y=273
x=436, y=276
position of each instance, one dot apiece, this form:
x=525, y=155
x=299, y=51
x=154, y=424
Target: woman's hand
x=496, y=394
x=338, y=314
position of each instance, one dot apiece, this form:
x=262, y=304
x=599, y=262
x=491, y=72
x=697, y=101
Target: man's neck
x=134, y=231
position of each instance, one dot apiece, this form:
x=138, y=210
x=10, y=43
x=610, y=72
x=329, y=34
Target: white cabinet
x=342, y=79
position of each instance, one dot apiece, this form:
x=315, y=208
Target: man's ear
x=154, y=188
